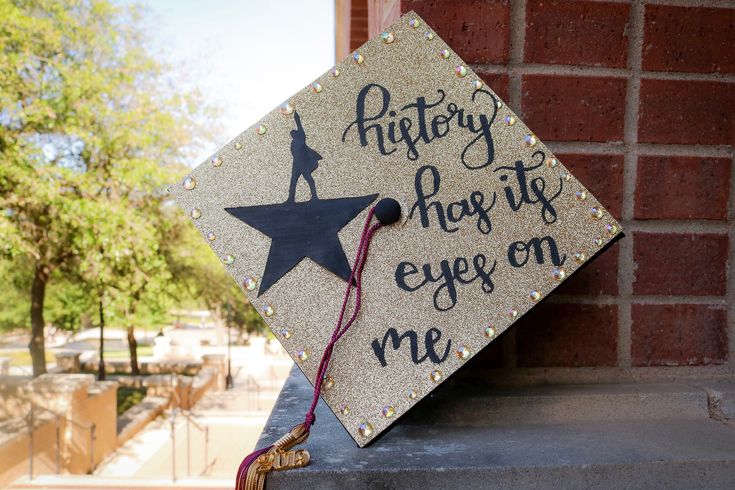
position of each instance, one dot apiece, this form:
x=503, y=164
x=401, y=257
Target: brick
x=680, y=263
x=477, y=30
x=678, y=335
x=491, y=356
x=559, y=32
x=601, y=174
x=682, y=188
x=568, y=335
x=498, y=82
x=689, y=39
x=686, y=112
x=563, y=108
x=598, y=277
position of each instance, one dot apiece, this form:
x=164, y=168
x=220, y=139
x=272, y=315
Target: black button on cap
x=388, y=211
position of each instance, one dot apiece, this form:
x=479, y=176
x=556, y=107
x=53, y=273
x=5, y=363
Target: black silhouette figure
x=305, y=160
x=300, y=230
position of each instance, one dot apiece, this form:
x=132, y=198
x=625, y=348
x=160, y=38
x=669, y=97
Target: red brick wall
x=358, y=23
x=638, y=98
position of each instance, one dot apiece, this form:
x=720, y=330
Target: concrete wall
x=637, y=98
x=86, y=412
x=76, y=403
x=15, y=448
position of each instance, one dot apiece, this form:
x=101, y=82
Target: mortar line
x=653, y=149
x=690, y=3
x=676, y=226
x=609, y=374
x=638, y=300
x=630, y=164
x=679, y=3
x=517, y=46
x=599, y=71
x=517, y=30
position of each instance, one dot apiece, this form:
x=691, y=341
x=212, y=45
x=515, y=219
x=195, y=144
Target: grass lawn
x=143, y=350
x=23, y=357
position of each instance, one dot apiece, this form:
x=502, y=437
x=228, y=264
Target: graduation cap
x=489, y=223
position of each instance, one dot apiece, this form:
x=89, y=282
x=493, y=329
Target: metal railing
x=58, y=418
x=190, y=422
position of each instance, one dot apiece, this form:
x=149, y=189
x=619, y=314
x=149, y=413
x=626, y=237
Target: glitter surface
x=307, y=298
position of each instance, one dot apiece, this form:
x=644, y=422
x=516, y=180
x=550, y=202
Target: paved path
x=235, y=419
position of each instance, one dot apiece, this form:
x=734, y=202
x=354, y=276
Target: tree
x=89, y=131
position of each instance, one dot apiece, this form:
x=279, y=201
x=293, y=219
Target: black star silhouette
x=303, y=229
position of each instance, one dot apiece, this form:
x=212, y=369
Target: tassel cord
x=252, y=470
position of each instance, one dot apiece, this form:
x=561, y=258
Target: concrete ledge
x=474, y=436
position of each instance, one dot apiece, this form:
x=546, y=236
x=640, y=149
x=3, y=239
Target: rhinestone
x=365, y=429
x=414, y=23
x=412, y=394
x=316, y=87
x=268, y=311
x=429, y=35
x=285, y=109
x=189, y=183
x=345, y=410
x=489, y=332
x=238, y=146
x=552, y=162
x=195, y=213
x=387, y=37
x=477, y=84
x=558, y=274
x=462, y=352
x=358, y=58
x=216, y=161
x=435, y=375
x=509, y=120
x=534, y=295
x=530, y=140
x=611, y=228
x=444, y=53
x=565, y=175
x=498, y=104
x=596, y=212
x=460, y=71
x=579, y=257
x=250, y=283
x=229, y=259
x=513, y=313
x=597, y=241
x=388, y=411
x=285, y=333
x=335, y=73
x=302, y=355
x=211, y=236
x=261, y=129
x=327, y=382
x=581, y=195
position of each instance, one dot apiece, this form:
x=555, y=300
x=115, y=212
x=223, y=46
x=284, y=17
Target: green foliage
x=128, y=398
x=91, y=129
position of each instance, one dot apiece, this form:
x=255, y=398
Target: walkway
x=234, y=419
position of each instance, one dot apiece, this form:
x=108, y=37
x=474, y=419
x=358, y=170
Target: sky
x=246, y=57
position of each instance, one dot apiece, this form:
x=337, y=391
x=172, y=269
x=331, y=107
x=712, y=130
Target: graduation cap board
x=491, y=222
